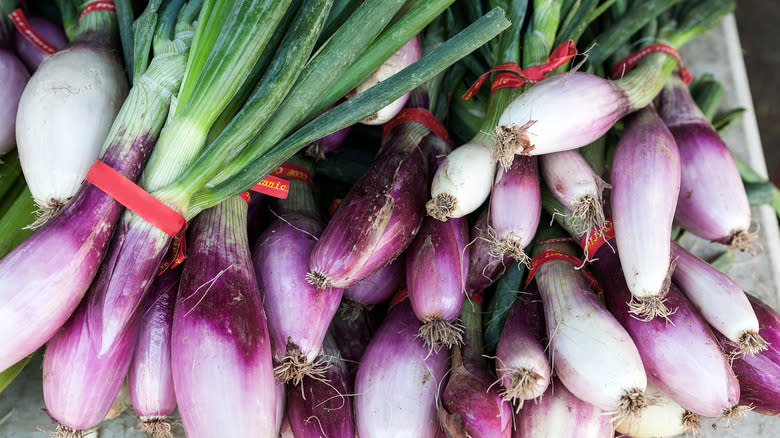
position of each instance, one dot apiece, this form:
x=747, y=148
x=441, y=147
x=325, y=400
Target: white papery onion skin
x=65, y=113
x=463, y=181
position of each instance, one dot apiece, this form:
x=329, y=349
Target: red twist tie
x=132, y=196
x=633, y=59
x=98, y=5
x=418, y=115
x=399, y=297
x=549, y=255
x=23, y=26
x=597, y=237
x=518, y=76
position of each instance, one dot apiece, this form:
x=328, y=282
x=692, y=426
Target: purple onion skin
x=399, y=379
x=520, y=344
x=79, y=383
x=484, y=269
x=645, y=184
x=56, y=264
x=13, y=78
x=379, y=286
x=298, y=313
x=471, y=395
x=149, y=377
x=220, y=349
x=323, y=408
x=436, y=264
x=681, y=356
x=516, y=201
x=281, y=405
x=377, y=219
x=28, y=52
x=329, y=143
x=759, y=374
x=352, y=338
x=713, y=203
x=558, y=413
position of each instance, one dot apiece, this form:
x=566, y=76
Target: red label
x=23, y=26
x=597, y=237
x=549, y=255
x=246, y=196
x=418, y=115
x=127, y=193
x=560, y=56
x=291, y=171
x=633, y=59
x=273, y=186
x=99, y=5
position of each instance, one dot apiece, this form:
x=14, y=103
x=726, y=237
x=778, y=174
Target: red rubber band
x=132, y=196
x=98, y=5
x=418, y=115
x=518, y=76
x=597, y=237
x=549, y=255
x=23, y=26
x=633, y=59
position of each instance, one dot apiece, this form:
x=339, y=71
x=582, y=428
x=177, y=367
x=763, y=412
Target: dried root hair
x=751, y=343
x=45, y=211
x=522, y=385
x=745, y=241
x=588, y=211
x=436, y=332
x=735, y=414
x=632, y=403
x=507, y=247
x=295, y=366
x=691, y=423
x=65, y=432
x=511, y=140
x=316, y=151
x=157, y=427
x=647, y=308
x=441, y=207
x=318, y=279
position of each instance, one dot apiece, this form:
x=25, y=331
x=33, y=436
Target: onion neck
x=645, y=81
x=98, y=27
x=300, y=198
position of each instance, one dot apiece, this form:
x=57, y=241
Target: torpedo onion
x=591, y=352
x=645, y=184
x=149, y=377
x=77, y=90
x=521, y=359
x=759, y=374
x=559, y=413
x=680, y=355
x=399, y=380
x=719, y=300
x=713, y=203
x=281, y=256
x=220, y=338
x=56, y=265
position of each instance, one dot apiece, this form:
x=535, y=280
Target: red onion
x=150, y=378
x=220, y=338
x=645, y=184
x=399, y=380
x=377, y=287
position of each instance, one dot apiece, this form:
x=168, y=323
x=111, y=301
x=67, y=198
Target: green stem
x=504, y=297
x=269, y=157
x=12, y=224
x=8, y=375
x=69, y=15
x=143, y=28
x=124, y=14
x=540, y=35
x=471, y=317
x=100, y=27
x=10, y=196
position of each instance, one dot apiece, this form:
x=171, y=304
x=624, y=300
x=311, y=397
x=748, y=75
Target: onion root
x=441, y=207
x=437, y=332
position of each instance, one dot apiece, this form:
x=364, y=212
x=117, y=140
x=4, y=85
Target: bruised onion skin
x=558, y=413
x=220, y=337
x=79, y=383
x=399, y=380
x=149, y=377
x=713, y=203
x=378, y=218
x=680, y=355
x=29, y=53
x=759, y=374
x=645, y=184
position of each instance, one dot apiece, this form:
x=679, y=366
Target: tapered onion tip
x=522, y=385
x=436, y=332
x=64, y=432
x=692, y=423
x=45, y=211
x=441, y=207
x=745, y=241
x=157, y=427
x=647, y=308
x=318, y=279
x=294, y=367
x=751, y=343
x=350, y=310
x=631, y=404
x=511, y=140
x=508, y=246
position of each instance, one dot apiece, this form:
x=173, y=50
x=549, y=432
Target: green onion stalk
x=57, y=263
